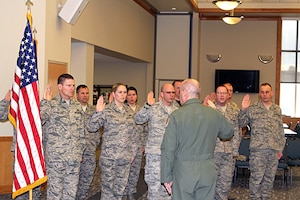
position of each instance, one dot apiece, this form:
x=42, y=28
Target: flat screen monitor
x=243, y=81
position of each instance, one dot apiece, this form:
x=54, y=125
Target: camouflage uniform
x=88, y=164
x=4, y=109
x=157, y=117
x=136, y=165
x=117, y=149
x=64, y=142
x=267, y=139
x=225, y=151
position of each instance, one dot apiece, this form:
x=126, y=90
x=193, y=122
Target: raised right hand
x=48, y=93
x=150, y=98
x=246, y=102
x=100, y=104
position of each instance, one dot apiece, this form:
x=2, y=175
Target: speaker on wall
x=72, y=9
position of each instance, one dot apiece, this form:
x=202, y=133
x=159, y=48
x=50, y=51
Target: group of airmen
x=71, y=134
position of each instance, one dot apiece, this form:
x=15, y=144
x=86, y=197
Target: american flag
x=29, y=165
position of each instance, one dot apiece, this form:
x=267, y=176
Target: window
x=290, y=68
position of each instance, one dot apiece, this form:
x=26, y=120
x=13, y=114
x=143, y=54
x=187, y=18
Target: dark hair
x=266, y=84
x=132, y=88
x=61, y=79
x=79, y=87
x=176, y=81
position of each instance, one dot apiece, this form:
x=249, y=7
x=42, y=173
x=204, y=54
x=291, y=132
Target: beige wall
x=131, y=74
x=123, y=27
x=82, y=65
x=239, y=46
x=126, y=28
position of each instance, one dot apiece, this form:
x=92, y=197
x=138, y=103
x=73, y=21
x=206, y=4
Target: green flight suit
x=188, y=150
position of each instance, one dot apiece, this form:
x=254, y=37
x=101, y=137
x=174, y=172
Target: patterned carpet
x=240, y=189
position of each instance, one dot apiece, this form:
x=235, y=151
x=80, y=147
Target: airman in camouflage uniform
x=4, y=103
x=267, y=141
x=225, y=151
x=118, y=147
x=63, y=138
x=140, y=140
x=157, y=116
x=88, y=164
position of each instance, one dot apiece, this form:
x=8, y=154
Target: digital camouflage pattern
x=142, y=130
x=88, y=164
x=117, y=149
x=4, y=109
x=267, y=139
x=225, y=151
x=64, y=143
x=157, y=117
x=266, y=126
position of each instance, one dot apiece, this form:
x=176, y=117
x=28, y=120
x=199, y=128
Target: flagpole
x=30, y=194
x=29, y=4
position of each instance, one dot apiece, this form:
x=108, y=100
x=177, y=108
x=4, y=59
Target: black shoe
x=231, y=198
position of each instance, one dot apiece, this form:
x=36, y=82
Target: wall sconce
x=231, y=19
x=265, y=59
x=227, y=5
x=213, y=58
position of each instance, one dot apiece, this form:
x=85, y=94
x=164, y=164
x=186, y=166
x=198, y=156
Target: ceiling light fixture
x=231, y=19
x=227, y=5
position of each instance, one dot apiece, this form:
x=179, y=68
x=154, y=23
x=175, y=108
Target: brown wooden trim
x=6, y=189
x=6, y=139
x=150, y=9
x=194, y=5
x=278, y=61
x=250, y=18
x=288, y=120
x=252, y=10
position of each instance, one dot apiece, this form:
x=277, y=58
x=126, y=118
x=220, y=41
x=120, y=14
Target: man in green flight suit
x=187, y=160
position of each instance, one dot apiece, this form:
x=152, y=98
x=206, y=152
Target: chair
x=244, y=152
x=293, y=155
x=282, y=165
x=297, y=129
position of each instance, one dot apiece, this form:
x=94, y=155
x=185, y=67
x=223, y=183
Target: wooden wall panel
x=6, y=163
x=55, y=69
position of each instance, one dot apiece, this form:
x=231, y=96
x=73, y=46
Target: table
x=289, y=132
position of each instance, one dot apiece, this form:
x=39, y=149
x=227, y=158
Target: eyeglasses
x=169, y=92
x=222, y=93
